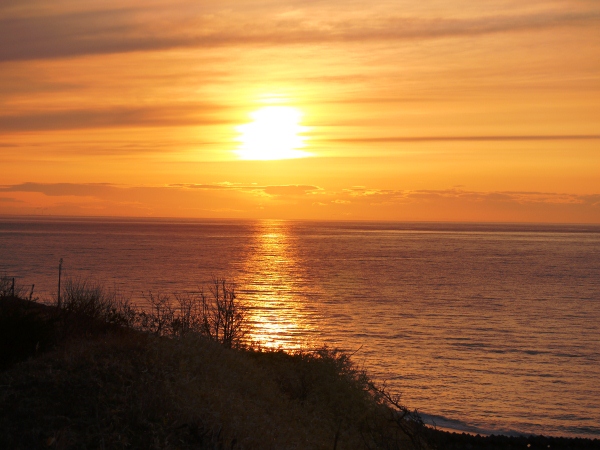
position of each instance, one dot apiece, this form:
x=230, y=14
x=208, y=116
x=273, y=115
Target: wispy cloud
x=298, y=201
x=164, y=115
x=521, y=197
x=289, y=190
x=345, y=196
x=425, y=195
x=103, y=189
x=273, y=190
x=539, y=137
x=62, y=189
x=118, y=30
x=180, y=200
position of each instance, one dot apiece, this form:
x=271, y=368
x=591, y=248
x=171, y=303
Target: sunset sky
x=392, y=110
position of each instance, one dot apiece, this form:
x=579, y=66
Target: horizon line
x=187, y=219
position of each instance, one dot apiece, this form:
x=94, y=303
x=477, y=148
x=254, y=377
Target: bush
x=223, y=317
x=5, y=287
x=86, y=307
x=219, y=316
x=158, y=317
x=8, y=288
x=84, y=298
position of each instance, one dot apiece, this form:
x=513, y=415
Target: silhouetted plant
x=86, y=306
x=396, y=427
x=5, y=286
x=188, y=317
x=220, y=316
x=223, y=316
x=9, y=288
x=159, y=317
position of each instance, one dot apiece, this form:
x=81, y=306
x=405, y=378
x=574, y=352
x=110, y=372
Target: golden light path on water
x=276, y=313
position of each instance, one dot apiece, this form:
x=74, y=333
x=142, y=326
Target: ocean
x=485, y=328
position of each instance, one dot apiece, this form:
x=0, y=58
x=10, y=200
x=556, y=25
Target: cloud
x=549, y=137
x=9, y=200
x=289, y=190
x=295, y=201
x=165, y=115
x=62, y=189
x=344, y=196
x=216, y=186
x=121, y=29
x=521, y=197
x=276, y=190
x=379, y=196
x=103, y=189
x=362, y=191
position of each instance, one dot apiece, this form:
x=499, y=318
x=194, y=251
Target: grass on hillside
x=101, y=374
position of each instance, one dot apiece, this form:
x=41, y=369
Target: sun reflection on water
x=272, y=274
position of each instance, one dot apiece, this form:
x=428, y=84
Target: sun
x=274, y=133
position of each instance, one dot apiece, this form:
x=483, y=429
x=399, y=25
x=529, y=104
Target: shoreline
x=451, y=426
x=448, y=440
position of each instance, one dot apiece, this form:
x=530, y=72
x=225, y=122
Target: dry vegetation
x=102, y=374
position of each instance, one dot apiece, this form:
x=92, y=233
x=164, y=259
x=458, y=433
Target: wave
x=458, y=426
x=447, y=424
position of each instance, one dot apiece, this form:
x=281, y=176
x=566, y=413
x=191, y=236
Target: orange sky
x=441, y=110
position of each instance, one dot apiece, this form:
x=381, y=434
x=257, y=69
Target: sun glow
x=274, y=133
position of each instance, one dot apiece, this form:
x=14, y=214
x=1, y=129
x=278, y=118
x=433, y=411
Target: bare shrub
x=396, y=427
x=8, y=288
x=188, y=317
x=87, y=301
x=159, y=317
x=220, y=316
x=5, y=286
x=223, y=316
